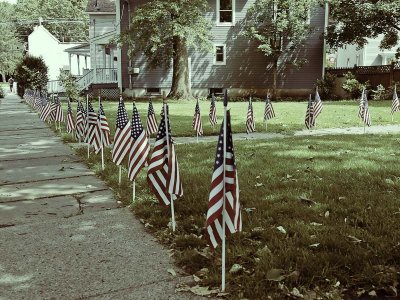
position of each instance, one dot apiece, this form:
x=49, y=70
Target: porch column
x=85, y=62
x=94, y=63
x=104, y=57
x=69, y=60
x=119, y=51
x=79, y=66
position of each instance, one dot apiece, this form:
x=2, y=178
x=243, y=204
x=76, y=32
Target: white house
x=369, y=55
x=42, y=43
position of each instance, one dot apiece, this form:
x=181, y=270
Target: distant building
x=42, y=43
x=369, y=55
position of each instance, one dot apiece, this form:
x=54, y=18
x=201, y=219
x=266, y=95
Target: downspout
x=325, y=31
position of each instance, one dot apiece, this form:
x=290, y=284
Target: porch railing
x=55, y=86
x=106, y=75
x=85, y=80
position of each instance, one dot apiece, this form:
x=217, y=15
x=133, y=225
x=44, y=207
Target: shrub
x=31, y=73
x=69, y=83
x=353, y=86
x=326, y=86
x=2, y=95
x=380, y=93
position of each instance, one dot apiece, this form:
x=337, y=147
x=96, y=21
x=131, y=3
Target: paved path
x=62, y=234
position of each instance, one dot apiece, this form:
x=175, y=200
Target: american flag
x=361, y=105
x=395, y=102
x=197, y=124
x=92, y=131
x=216, y=214
x=122, y=138
x=269, y=112
x=213, y=112
x=250, y=125
x=366, y=117
x=80, y=121
x=70, y=119
x=58, y=112
x=53, y=108
x=310, y=119
x=317, y=105
x=103, y=128
x=140, y=146
x=46, y=111
x=151, y=125
x=163, y=173
x=37, y=102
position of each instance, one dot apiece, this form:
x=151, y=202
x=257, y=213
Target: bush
x=69, y=83
x=353, y=86
x=31, y=73
x=380, y=93
x=326, y=86
x=2, y=95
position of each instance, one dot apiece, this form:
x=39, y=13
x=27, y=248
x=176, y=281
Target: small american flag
x=140, y=146
x=151, y=125
x=46, y=111
x=80, y=121
x=250, y=125
x=361, y=105
x=395, y=102
x=104, y=129
x=163, y=173
x=269, y=112
x=122, y=138
x=232, y=214
x=197, y=124
x=93, y=132
x=366, y=117
x=317, y=105
x=309, y=119
x=37, y=102
x=58, y=112
x=213, y=112
x=70, y=119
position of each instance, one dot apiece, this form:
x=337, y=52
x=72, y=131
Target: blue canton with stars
x=161, y=130
x=151, y=109
x=122, y=115
x=137, y=126
x=229, y=142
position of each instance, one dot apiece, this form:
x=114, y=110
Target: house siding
x=246, y=67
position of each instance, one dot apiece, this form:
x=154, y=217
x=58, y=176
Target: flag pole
x=168, y=153
x=120, y=175
x=87, y=125
x=101, y=142
x=197, y=137
x=224, y=194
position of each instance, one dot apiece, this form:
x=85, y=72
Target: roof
x=101, y=6
x=82, y=49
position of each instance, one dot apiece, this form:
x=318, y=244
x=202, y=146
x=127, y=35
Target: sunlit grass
x=336, y=197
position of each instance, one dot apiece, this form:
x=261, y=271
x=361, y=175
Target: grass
x=336, y=197
x=290, y=115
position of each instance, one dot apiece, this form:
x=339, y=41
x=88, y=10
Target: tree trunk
x=3, y=75
x=275, y=73
x=180, y=88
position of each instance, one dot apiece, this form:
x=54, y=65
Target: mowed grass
x=337, y=198
x=289, y=115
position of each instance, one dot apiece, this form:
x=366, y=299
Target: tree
x=65, y=19
x=11, y=47
x=163, y=30
x=31, y=73
x=278, y=26
x=354, y=21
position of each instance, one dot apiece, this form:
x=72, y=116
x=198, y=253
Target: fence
x=376, y=75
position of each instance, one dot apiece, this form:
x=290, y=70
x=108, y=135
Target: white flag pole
x=120, y=175
x=223, y=267
x=197, y=136
x=87, y=125
x=168, y=153
x=101, y=140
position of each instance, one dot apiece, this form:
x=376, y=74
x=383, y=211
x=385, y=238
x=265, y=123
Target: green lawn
x=337, y=197
x=290, y=115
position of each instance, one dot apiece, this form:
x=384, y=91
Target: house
x=102, y=78
x=39, y=43
x=369, y=55
x=234, y=63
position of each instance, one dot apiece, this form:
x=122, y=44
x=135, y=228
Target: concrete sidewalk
x=62, y=234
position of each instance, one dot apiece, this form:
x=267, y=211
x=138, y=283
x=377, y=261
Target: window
x=216, y=91
x=219, y=54
x=153, y=91
x=225, y=12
